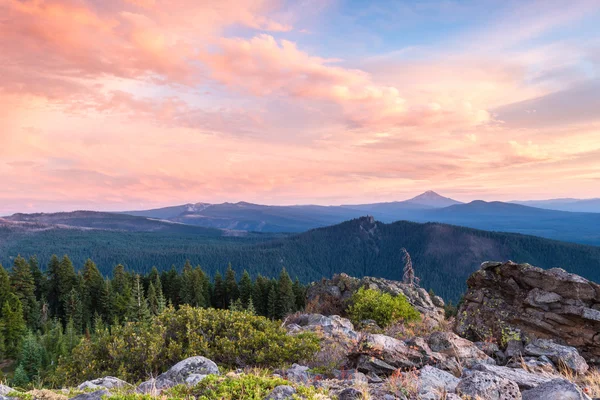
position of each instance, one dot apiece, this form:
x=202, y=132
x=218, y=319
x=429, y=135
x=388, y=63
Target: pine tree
x=71, y=336
x=232, y=292
x=219, y=295
x=300, y=295
x=13, y=325
x=74, y=309
x=260, y=295
x=23, y=285
x=30, y=356
x=286, y=300
x=40, y=281
x=20, y=378
x=246, y=289
x=53, y=273
x=138, y=307
x=93, y=285
x=152, y=299
x=104, y=302
x=120, y=293
x=161, y=303
x=272, y=303
x=250, y=309
x=5, y=288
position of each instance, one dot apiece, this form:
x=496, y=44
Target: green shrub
x=229, y=338
x=383, y=308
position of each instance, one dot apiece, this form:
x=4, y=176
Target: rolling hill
x=443, y=255
x=574, y=205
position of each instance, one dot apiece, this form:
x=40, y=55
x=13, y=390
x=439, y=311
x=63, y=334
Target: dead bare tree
x=409, y=273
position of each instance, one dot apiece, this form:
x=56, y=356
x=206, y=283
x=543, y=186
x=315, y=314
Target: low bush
x=383, y=308
x=138, y=350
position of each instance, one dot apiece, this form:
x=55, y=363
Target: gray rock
x=434, y=382
x=562, y=356
x=193, y=365
x=352, y=375
x=97, y=395
x=108, y=382
x=525, y=380
x=350, y=394
x=453, y=396
x=4, y=390
x=282, y=392
x=194, y=379
x=488, y=348
x=298, y=374
x=488, y=387
x=557, y=389
x=514, y=349
x=536, y=365
x=452, y=345
x=154, y=386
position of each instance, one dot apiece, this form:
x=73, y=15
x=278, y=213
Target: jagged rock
x=525, y=380
x=514, y=349
x=518, y=301
x=562, y=356
x=108, y=382
x=487, y=386
x=540, y=365
x=391, y=351
x=451, y=345
x=490, y=349
x=332, y=296
x=555, y=389
x=194, y=368
x=282, y=392
x=97, y=395
x=372, y=365
x=4, y=390
x=350, y=394
x=298, y=374
x=434, y=382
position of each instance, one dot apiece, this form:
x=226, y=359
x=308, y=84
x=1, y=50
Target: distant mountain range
x=575, y=205
x=237, y=218
x=443, y=255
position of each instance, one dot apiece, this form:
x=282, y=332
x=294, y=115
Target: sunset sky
x=129, y=104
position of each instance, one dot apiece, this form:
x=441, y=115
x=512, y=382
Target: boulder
x=189, y=371
x=464, y=351
x=562, y=356
x=298, y=374
x=559, y=389
x=282, y=392
x=97, y=395
x=332, y=297
x=352, y=376
x=331, y=328
x=108, y=382
x=537, y=365
x=525, y=380
x=434, y=382
x=487, y=386
x=509, y=301
x=350, y=394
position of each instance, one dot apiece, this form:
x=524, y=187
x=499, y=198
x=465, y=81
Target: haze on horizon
x=136, y=104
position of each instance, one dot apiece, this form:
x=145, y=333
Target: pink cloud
x=263, y=66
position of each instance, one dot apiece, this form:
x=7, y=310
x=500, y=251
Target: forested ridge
x=44, y=314
x=444, y=255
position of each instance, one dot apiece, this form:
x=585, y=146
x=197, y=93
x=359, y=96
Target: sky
x=132, y=104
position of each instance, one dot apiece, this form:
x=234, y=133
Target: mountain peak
x=433, y=199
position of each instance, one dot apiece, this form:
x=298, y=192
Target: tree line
x=44, y=313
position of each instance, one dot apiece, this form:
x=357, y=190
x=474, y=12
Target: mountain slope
x=443, y=255
x=105, y=221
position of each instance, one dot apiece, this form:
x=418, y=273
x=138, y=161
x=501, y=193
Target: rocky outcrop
x=433, y=382
x=331, y=297
x=97, y=395
x=563, y=356
x=4, y=390
x=505, y=301
x=525, y=380
x=282, y=392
